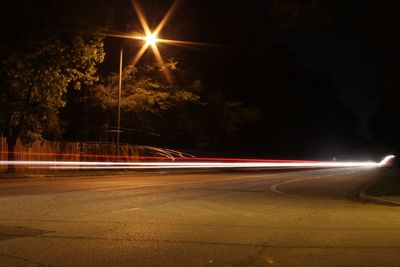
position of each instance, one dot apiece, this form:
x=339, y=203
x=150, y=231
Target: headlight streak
x=196, y=165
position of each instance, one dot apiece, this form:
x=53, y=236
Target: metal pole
x=119, y=97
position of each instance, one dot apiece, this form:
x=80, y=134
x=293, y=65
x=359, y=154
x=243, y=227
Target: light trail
x=196, y=165
x=105, y=156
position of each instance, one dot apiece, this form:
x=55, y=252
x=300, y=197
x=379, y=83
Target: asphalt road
x=297, y=218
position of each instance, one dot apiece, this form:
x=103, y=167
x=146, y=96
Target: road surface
x=259, y=218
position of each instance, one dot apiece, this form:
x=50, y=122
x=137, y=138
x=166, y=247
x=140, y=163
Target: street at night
x=263, y=218
x=199, y=133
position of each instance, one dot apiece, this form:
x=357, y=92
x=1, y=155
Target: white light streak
x=194, y=165
x=387, y=160
x=151, y=39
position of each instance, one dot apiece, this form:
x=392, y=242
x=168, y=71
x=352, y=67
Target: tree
x=145, y=96
x=381, y=24
x=181, y=114
x=46, y=49
x=35, y=76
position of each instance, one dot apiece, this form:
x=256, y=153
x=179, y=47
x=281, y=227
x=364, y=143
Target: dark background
x=322, y=77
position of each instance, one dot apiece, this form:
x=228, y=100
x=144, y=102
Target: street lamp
x=151, y=40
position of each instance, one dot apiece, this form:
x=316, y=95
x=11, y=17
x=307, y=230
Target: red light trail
x=185, y=163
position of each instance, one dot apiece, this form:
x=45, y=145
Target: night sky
x=339, y=53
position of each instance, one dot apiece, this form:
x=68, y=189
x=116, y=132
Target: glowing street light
x=151, y=39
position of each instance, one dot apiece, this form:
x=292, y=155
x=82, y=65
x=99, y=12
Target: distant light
x=151, y=39
x=387, y=161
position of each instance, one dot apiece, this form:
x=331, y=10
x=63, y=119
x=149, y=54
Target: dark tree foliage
x=153, y=111
x=43, y=55
x=381, y=26
x=300, y=113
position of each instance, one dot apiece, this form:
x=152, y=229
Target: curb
x=363, y=196
x=378, y=200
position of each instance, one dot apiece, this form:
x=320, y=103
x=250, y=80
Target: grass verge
x=388, y=185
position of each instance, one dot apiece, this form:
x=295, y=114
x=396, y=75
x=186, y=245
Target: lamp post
x=121, y=55
x=151, y=40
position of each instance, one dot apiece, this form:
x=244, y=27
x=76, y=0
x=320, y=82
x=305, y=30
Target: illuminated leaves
x=142, y=92
x=36, y=79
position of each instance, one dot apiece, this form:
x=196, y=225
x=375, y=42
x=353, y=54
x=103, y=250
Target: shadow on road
x=13, y=231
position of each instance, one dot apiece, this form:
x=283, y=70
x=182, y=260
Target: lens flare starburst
x=151, y=38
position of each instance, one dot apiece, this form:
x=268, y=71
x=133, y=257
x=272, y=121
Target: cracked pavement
x=254, y=218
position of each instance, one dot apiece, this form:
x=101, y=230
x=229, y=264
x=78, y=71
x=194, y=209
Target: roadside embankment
x=386, y=190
